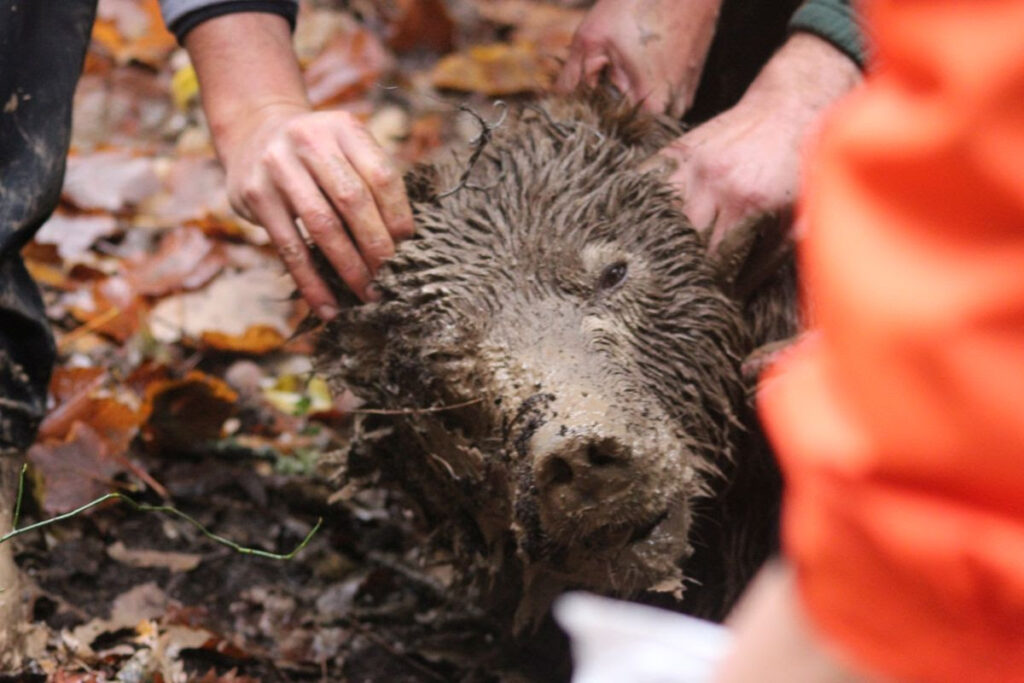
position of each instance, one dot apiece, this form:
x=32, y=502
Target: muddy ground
x=117, y=591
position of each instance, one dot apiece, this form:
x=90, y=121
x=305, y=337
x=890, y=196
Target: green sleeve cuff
x=835, y=21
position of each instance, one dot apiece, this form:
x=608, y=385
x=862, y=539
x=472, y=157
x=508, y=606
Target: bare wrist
x=803, y=78
x=248, y=74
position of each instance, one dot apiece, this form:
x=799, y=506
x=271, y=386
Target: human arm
x=652, y=51
x=744, y=164
x=285, y=161
x=777, y=641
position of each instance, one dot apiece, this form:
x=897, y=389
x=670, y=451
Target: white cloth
x=615, y=641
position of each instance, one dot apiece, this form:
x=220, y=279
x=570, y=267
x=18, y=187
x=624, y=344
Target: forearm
x=803, y=78
x=835, y=21
x=247, y=70
x=744, y=164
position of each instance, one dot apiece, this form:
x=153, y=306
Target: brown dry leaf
x=133, y=30
x=72, y=472
x=111, y=307
x=138, y=604
x=248, y=311
x=194, y=191
x=420, y=25
x=129, y=107
x=79, y=397
x=138, y=557
x=543, y=24
x=496, y=69
x=185, y=259
x=185, y=412
x=145, y=374
x=109, y=181
x=348, y=66
x=258, y=339
x=47, y=274
x=69, y=383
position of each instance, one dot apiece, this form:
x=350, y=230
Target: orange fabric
x=901, y=426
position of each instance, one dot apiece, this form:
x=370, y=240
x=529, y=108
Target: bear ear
x=421, y=183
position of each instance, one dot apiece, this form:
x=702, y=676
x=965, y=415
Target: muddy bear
x=560, y=369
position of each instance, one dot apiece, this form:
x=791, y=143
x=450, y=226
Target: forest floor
x=181, y=382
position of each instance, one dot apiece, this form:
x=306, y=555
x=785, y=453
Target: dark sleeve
x=835, y=21
x=182, y=16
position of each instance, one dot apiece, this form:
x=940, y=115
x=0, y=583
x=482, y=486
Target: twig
x=479, y=143
x=17, y=502
x=414, y=411
x=144, y=507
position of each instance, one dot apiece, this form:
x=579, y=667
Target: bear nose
x=575, y=473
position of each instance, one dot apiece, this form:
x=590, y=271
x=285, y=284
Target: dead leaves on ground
x=173, y=318
x=145, y=261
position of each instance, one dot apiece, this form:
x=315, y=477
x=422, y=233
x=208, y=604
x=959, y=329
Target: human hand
x=743, y=166
x=285, y=162
x=774, y=639
x=323, y=168
x=653, y=51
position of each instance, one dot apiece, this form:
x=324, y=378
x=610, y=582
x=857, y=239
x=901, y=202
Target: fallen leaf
x=184, y=86
x=134, y=557
x=293, y=395
x=145, y=601
x=194, y=191
x=348, y=66
x=72, y=472
x=145, y=374
x=111, y=307
x=132, y=30
x=134, y=606
x=126, y=108
x=315, y=27
x=74, y=235
x=248, y=311
x=257, y=339
x=185, y=259
x=496, y=69
x=545, y=25
x=79, y=395
x=109, y=181
x=183, y=413
x=47, y=274
x=420, y=25
x=68, y=383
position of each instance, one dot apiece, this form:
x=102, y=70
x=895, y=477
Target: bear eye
x=612, y=276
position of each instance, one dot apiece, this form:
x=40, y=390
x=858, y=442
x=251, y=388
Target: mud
x=557, y=372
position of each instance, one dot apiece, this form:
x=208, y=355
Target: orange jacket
x=901, y=428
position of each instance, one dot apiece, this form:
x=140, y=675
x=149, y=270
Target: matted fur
x=504, y=306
